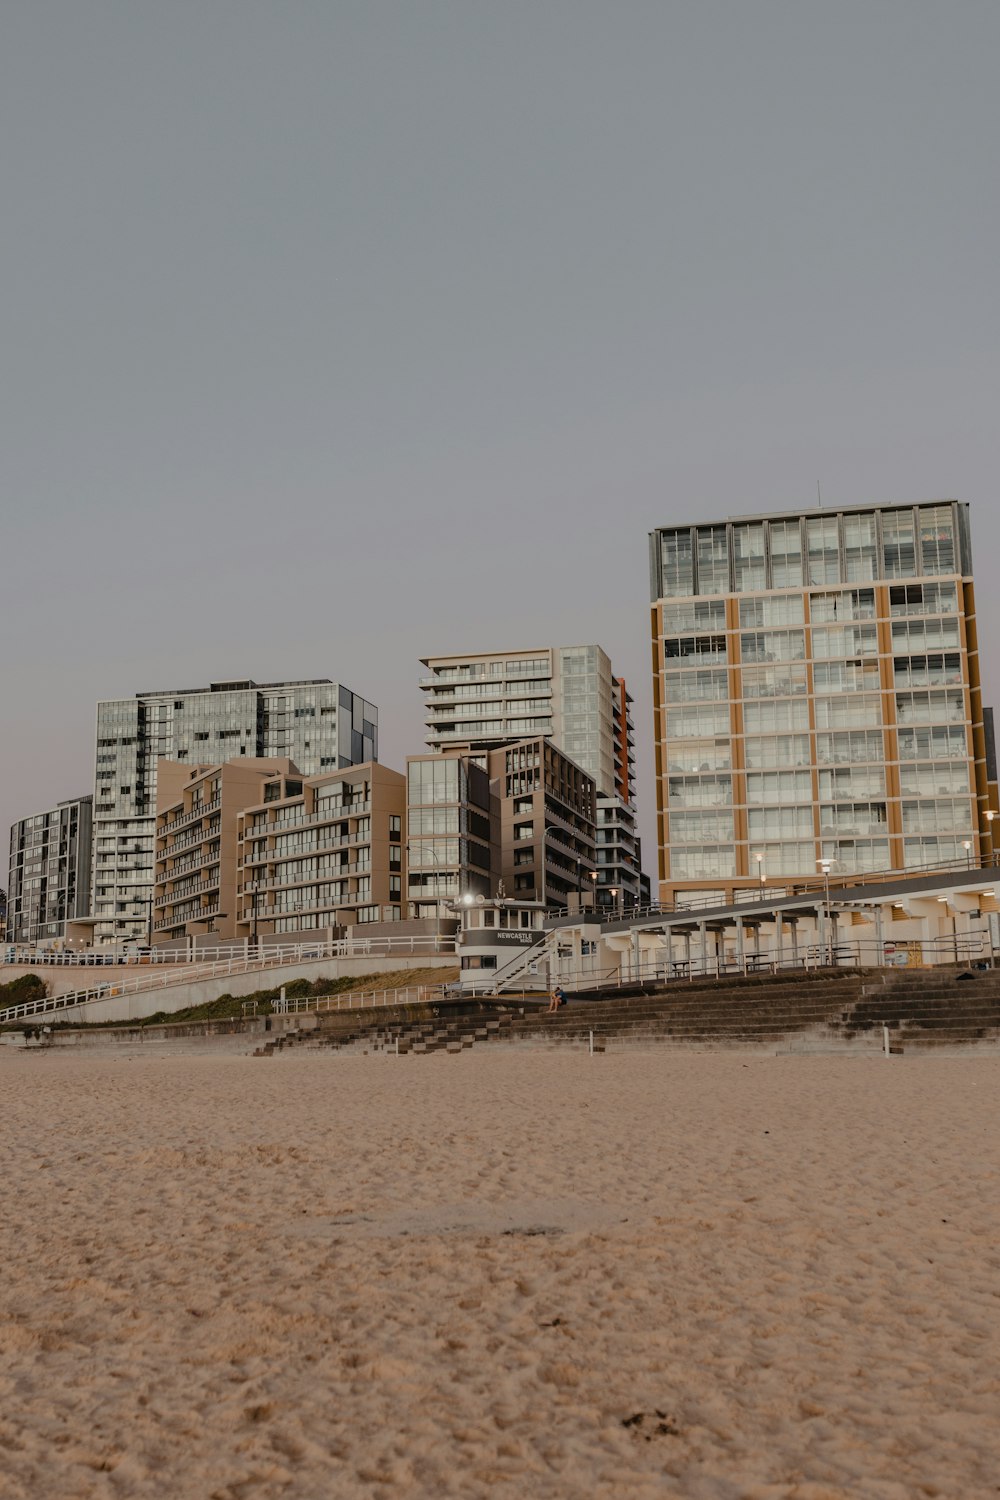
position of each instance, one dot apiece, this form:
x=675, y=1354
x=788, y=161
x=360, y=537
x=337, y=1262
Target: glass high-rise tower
x=320, y=725
x=817, y=697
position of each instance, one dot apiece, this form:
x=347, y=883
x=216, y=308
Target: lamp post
x=614, y=899
x=824, y=865
x=967, y=846
x=428, y=849
x=760, y=873
x=149, y=919
x=990, y=815
x=593, y=876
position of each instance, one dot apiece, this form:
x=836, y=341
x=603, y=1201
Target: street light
x=990, y=815
x=593, y=876
x=967, y=846
x=824, y=865
x=614, y=899
x=760, y=873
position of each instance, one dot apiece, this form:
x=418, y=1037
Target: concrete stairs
x=452, y=1034
x=832, y=1010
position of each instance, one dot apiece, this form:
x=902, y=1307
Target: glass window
x=771, y=609
x=942, y=670
x=773, y=645
x=779, y=786
x=934, y=778
x=780, y=822
x=860, y=556
x=697, y=720
x=845, y=676
x=700, y=755
x=787, y=858
x=935, y=707
x=698, y=650
x=694, y=686
x=852, y=817
x=700, y=615
x=699, y=791
x=856, y=856
x=853, y=784
x=703, y=826
x=849, y=711
x=844, y=640
x=937, y=539
x=677, y=562
x=922, y=635
x=921, y=853
x=783, y=714
x=943, y=741
x=845, y=604
x=848, y=746
x=748, y=557
x=703, y=864
x=779, y=750
x=938, y=815
x=823, y=549
x=923, y=599
x=774, y=682
x=898, y=544
x=713, y=560
x=786, y=554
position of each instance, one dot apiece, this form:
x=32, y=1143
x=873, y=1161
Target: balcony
x=191, y=814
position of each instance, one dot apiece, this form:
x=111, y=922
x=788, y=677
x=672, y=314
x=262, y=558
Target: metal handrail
x=271, y=958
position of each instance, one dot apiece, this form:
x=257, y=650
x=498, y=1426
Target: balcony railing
x=199, y=811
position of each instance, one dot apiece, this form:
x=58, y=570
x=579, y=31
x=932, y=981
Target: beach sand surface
x=506, y=1273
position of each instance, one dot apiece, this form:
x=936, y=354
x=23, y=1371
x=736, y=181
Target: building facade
x=482, y=701
x=453, y=832
x=319, y=725
x=252, y=849
x=49, y=880
x=196, y=874
x=548, y=810
x=817, y=697
x=322, y=855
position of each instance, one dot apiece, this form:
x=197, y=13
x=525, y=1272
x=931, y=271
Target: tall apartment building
x=323, y=853
x=195, y=879
x=482, y=701
x=548, y=815
x=319, y=725
x=251, y=848
x=816, y=696
x=452, y=832
x=49, y=881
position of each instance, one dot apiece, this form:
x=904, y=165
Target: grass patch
x=231, y=1007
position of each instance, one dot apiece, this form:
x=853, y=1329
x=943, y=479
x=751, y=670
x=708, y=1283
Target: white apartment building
x=319, y=724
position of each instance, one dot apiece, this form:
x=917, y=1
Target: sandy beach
x=504, y=1273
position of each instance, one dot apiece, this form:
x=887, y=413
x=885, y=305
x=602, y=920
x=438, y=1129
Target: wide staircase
x=824, y=1011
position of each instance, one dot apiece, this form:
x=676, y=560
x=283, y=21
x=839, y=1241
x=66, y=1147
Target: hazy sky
x=334, y=334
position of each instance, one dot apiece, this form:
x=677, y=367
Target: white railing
x=413, y=994
x=848, y=955
x=271, y=958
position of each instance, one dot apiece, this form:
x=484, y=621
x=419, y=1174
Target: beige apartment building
x=548, y=812
x=325, y=854
x=196, y=842
x=817, y=698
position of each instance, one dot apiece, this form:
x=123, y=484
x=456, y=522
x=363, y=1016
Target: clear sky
x=335, y=334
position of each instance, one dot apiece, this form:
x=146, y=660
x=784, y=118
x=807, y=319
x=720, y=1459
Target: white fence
x=376, y=947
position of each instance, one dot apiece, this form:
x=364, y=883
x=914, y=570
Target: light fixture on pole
x=593, y=876
x=614, y=899
x=990, y=815
x=824, y=865
x=967, y=846
x=760, y=872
